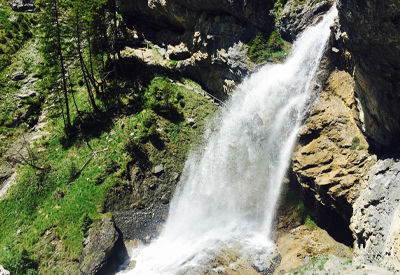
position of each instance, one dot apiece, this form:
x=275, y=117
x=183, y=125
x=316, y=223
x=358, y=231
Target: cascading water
x=229, y=188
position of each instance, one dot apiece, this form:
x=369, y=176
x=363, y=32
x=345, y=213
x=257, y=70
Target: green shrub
x=261, y=49
x=16, y=261
x=355, y=144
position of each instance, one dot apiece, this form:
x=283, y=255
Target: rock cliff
x=373, y=34
x=206, y=36
x=376, y=219
x=332, y=157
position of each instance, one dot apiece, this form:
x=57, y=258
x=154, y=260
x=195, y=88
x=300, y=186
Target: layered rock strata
x=331, y=160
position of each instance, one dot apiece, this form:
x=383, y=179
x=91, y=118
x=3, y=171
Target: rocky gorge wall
x=354, y=117
x=338, y=160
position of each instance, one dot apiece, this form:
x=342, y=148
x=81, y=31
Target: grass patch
x=15, y=29
x=48, y=213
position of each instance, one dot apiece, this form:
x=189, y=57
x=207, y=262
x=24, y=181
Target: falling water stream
x=229, y=188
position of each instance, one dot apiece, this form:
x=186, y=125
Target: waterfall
x=229, y=187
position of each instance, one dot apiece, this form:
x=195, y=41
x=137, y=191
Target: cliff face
x=205, y=36
x=373, y=32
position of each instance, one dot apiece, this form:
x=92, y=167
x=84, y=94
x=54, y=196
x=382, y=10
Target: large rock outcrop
x=207, y=37
x=332, y=159
x=298, y=15
x=376, y=219
x=98, y=247
x=373, y=32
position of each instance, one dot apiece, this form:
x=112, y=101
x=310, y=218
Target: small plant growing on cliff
x=355, y=143
x=261, y=49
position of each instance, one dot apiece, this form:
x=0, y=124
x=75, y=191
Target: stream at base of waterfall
x=221, y=214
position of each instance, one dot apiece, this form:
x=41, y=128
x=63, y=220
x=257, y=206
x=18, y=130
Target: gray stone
x=99, y=247
x=22, y=5
x=138, y=224
x=28, y=94
x=297, y=16
x=373, y=34
x=191, y=121
x=376, y=218
x=158, y=170
x=3, y=271
x=17, y=76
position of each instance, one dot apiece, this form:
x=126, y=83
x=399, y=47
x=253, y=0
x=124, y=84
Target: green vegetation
x=54, y=203
x=15, y=29
x=121, y=114
x=355, y=144
x=278, y=8
x=260, y=49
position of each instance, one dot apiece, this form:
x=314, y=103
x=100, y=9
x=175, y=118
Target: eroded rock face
x=207, y=37
x=327, y=162
x=376, y=219
x=98, y=247
x=298, y=15
x=373, y=32
x=22, y=5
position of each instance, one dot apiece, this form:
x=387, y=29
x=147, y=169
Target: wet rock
x=138, y=224
x=376, y=219
x=373, y=34
x=298, y=15
x=99, y=247
x=22, y=5
x=17, y=76
x=3, y=271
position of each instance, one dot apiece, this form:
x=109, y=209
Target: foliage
x=15, y=29
x=18, y=262
x=48, y=201
x=278, y=8
x=355, y=144
x=261, y=49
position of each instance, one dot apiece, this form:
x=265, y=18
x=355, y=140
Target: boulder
x=372, y=30
x=376, y=218
x=158, y=169
x=17, y=76
x=22, y=5
x=3, y=271
x=98, y=247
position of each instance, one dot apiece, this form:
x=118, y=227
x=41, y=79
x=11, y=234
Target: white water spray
x=228, y=192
